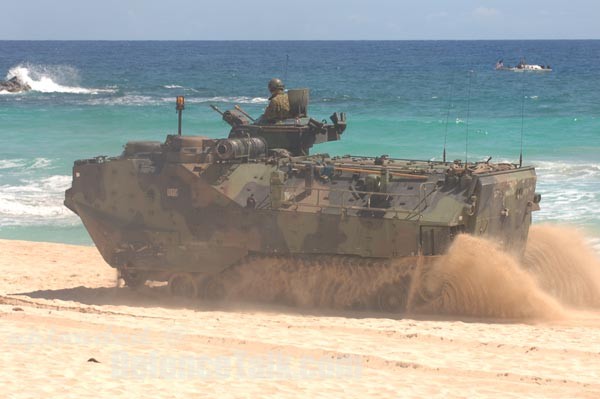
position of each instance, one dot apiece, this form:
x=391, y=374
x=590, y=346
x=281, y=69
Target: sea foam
x=45, y=79
x=238, y=100
x=144, y=100
x=23, y=165
x=36, y=202
x=11, y=163
x=570, y=192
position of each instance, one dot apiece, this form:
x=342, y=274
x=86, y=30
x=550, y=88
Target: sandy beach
x=60, y=308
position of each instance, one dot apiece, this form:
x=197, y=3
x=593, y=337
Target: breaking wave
x=570, y=191
x=143, y=100
x=578, y=171
x=36, y=202
x=51, y=79
x=128, y=100
x=25, y=164
x=231, y=100
x=11, y=163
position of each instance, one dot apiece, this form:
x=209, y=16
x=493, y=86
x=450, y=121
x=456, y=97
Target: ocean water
x=402, y=98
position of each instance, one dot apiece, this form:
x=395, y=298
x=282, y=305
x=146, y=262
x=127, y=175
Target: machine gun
x=234, y=117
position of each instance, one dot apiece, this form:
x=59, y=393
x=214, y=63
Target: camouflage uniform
x=278, y=108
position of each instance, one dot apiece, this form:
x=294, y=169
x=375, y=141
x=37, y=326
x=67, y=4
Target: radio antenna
x=450, y=90
x=287, y=61
x=468, y=114
x=522, y=119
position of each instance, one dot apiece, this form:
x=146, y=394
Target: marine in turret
x=279, y=104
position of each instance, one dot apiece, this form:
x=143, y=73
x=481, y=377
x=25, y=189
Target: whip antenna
x=468, y=114
x=448, y=117
x=287, y=61
x=522, y=119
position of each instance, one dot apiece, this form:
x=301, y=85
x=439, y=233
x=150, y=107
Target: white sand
x=149, y=345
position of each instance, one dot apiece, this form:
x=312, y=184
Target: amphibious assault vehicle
x=190, y=208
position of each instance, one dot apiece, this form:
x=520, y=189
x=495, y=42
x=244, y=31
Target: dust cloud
x=558, y=271
x=320, y=282
x=476, y=278
x=564, y=265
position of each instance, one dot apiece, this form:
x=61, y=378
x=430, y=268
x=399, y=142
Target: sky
x=299, y=20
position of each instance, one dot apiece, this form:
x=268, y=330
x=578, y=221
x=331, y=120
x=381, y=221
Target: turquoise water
x=401, y=98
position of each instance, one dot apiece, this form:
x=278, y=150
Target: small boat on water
x=522, y=66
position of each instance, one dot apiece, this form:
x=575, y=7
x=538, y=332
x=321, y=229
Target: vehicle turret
x=296, y=134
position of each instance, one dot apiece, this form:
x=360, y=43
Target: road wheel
x=133, y=278
x=392, y=298
x=183, y=285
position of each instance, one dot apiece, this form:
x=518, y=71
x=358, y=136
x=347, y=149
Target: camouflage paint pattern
x=183, y=206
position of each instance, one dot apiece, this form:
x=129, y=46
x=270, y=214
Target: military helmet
x=275, y=84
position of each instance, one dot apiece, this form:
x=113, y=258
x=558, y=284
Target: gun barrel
x=214, y=107
x=244, y=112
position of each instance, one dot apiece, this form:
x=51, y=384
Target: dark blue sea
x=402, y=98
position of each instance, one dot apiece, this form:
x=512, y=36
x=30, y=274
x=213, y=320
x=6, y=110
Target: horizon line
x=294, y=40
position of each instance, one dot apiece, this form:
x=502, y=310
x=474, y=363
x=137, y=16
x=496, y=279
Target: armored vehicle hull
x=187, y=210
